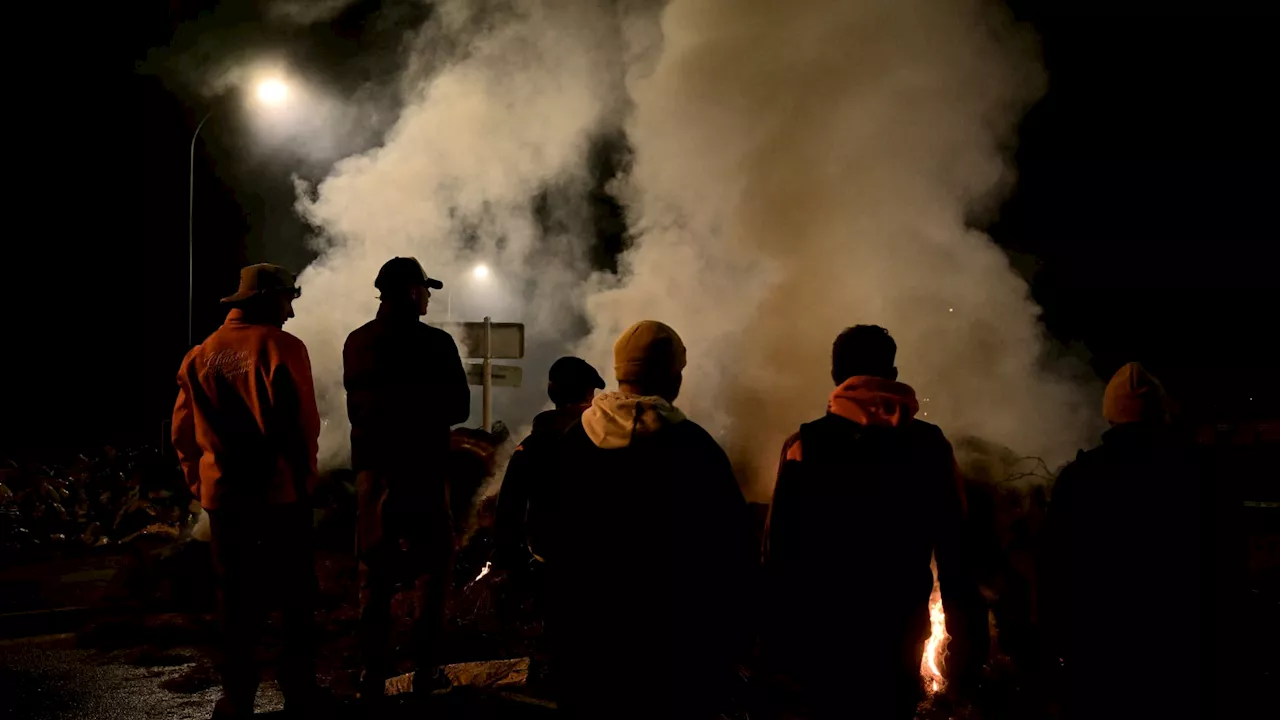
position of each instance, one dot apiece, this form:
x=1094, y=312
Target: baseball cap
x=399, y=273
x=574, y=372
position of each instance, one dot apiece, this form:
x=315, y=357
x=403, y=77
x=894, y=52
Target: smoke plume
x=809, y=165
x=505, y=117
x=797, y=167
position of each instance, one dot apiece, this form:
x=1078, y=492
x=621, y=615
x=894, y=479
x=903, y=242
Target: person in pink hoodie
x=865, y=496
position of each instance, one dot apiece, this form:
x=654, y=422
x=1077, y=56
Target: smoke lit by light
x=273, y=91
x=480, y=272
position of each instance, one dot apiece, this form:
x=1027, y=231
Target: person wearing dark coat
x=652, y=549
x=865, y=496
x=1127, y=573
x=571, y=384
x=405, y=387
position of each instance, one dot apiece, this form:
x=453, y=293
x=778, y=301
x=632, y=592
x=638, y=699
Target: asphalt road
x=52, y=679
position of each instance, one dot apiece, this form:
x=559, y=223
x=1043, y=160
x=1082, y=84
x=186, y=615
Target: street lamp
x=479, y=272
x=271, y=92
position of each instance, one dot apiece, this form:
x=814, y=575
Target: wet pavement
x=51, y=678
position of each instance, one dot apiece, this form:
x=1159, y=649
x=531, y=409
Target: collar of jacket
x=237, y=316
x=396, y=312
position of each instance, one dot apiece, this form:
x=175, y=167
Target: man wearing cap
x=245, y=428
x=405, y=388
x=652, y=547
x=526, y=503
x=571, y=385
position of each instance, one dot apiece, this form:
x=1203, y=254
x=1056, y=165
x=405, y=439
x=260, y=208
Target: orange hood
x=869, y=400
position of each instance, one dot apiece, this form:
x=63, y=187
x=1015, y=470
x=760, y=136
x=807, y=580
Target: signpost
x=489, y=340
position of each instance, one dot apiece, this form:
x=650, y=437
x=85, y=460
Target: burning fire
x=936, y=647
x=489, y=566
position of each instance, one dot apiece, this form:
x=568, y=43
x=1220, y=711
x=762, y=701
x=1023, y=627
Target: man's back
x=1127, y=571
x=405, y=387
x=855, y=521
x=650, y=562
x=246, y=409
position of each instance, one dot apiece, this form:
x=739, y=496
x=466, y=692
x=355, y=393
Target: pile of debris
x=89, y=501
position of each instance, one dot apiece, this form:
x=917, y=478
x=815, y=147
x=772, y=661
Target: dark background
x=1141, y=213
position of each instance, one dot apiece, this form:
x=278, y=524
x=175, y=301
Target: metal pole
x=488, y=376
x=191, y=233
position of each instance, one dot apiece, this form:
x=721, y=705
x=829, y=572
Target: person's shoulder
x=697, y=438
x=434, y=333
x=287, y=340
x=925, y=430
x=361, y=333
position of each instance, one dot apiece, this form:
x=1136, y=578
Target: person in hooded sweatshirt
x=652, y=548
x=1127, y=579
x=865, y=496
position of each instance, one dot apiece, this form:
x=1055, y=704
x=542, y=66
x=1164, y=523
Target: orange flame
x=936, y=647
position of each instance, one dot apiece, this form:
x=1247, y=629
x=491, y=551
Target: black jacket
x=405, y=388
x=1127, y=576
x=651, y=566
x=854, y=522
x=521, y=526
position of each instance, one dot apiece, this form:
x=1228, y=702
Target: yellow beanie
x=648, y=349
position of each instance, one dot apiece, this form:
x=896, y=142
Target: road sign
x=501, y=375
x=506, y=340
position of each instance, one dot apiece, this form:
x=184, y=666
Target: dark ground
x=52, y=679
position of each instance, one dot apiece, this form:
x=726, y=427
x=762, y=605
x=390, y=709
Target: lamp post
x=191, y=231
x=271, y=92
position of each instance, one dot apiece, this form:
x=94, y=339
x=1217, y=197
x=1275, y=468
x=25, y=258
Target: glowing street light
x=271, y=92
x=479, y=273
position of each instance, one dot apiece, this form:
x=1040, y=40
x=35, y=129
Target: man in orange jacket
x=245, y=427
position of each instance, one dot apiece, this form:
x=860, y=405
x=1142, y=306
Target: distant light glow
x=273, y=91
x=481, y=272
x=951, y=309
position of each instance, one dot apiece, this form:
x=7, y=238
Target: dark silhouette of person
x=865, y=496
x=571, y=385
x=405, y=388
x=651, y=549
x=525, y=518
x=1128, y=571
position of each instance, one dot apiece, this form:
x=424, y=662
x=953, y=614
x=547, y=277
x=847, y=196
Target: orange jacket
x=245, y=425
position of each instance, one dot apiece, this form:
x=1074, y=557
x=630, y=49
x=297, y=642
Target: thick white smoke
x=808, y=165
x=799, y=167
x=510, y=113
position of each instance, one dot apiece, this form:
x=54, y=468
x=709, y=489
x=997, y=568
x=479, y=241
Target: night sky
x=1141, y=213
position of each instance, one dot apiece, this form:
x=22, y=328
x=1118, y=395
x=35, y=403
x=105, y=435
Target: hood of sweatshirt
x=869, y=400
x=615, y=419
